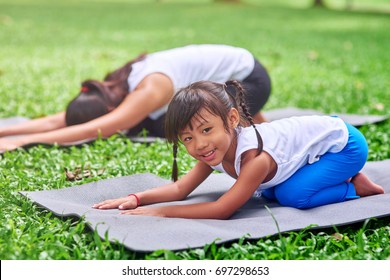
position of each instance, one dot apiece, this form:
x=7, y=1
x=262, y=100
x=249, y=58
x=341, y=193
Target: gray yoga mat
x=253, y=220
x=354, y=119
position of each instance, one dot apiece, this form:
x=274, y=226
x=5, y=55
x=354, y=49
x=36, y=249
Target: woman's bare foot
x=365, y=187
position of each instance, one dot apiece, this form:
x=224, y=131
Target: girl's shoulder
x=292, y=132
x=305, y=122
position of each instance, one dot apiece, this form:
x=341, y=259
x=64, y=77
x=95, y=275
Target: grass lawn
x=329, y=60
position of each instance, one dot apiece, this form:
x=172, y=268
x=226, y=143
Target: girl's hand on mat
x=127, y=202
x=145, y=211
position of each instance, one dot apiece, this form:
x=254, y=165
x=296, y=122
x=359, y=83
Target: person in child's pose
x=135, y=96
x=301, y=162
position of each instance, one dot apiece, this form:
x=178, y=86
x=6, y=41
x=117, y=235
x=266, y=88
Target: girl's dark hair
x=97, y=98
x=214, y=97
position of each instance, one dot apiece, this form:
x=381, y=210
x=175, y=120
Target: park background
x=333, y=59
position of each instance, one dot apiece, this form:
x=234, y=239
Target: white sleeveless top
x=189, y=64
x=292, y=143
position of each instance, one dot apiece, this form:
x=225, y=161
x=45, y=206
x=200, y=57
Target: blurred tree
x=231, y=1
x=319, y=3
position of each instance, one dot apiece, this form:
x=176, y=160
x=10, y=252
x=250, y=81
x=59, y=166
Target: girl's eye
x=206, y=130
x=186, y=139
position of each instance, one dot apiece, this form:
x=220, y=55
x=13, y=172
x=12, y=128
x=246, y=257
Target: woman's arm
x=154, y=91
x=252, y=174
x=170, y=192
x=43, y=124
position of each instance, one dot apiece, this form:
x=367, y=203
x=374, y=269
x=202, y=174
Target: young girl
x=135, y=96
x=301, y=162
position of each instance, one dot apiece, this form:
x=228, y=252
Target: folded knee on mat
x=295, y=204
x=292, y=200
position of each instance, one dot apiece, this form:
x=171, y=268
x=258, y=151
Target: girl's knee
x=299, y=204
x=269, y=193
x=291, y=199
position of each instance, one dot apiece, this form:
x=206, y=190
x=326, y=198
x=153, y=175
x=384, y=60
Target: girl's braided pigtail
x=240, y=100
x=174, y=166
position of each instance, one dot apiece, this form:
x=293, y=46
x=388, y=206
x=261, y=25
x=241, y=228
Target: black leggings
x=257, y=86
x=154, y=128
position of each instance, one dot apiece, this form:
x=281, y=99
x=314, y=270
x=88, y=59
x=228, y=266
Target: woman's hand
x=8, y=144
x=127, y=202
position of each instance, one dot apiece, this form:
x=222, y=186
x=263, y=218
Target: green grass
x=330, y=60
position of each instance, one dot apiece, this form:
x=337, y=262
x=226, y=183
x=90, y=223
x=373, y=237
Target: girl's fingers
x=108, y=204
x=120, y=203
x=127, y=205
x=130, y=212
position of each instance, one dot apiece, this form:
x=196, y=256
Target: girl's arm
x=171, y=192
x=252, y=175
x=43, y=124
x=153, y=92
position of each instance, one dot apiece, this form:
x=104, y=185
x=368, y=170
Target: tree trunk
x=319, y=3
x=229, y=1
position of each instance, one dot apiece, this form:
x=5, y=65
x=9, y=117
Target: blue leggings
x=324, y=181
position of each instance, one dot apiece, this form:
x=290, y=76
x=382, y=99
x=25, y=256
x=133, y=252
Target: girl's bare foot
x=365, y=187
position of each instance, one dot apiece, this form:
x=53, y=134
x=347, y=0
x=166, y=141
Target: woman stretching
x=300, y=162
x=135, y=96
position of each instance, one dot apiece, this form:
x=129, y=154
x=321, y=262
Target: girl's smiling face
x=207, y=140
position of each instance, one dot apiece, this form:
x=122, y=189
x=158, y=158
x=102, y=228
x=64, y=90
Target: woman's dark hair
x=97, y=98
x=88, y=105
x=212, y=97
